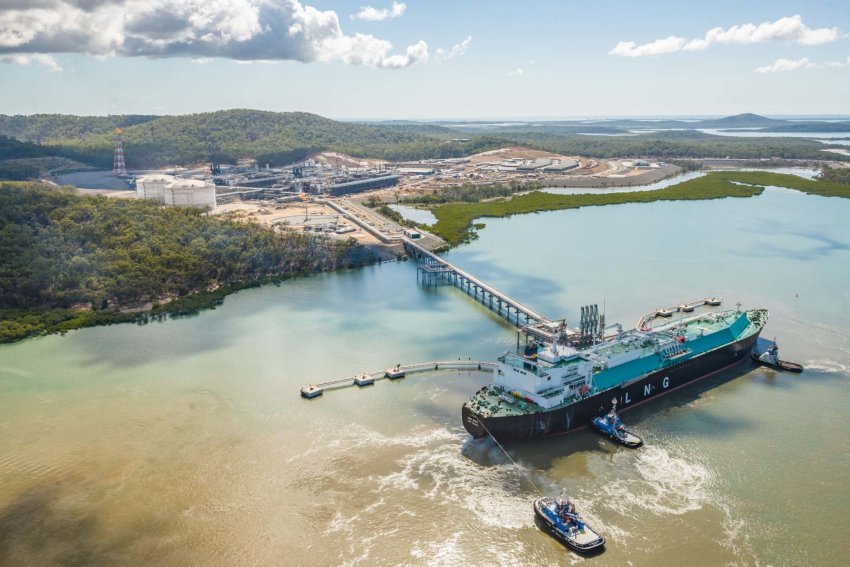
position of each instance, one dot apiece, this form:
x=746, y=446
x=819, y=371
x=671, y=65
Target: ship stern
x=473, y=422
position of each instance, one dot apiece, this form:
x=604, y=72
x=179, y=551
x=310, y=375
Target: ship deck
x=704, y=333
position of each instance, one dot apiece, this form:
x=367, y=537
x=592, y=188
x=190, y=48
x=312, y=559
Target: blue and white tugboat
x=770, y=358
x=611, y=426
x=561, y=520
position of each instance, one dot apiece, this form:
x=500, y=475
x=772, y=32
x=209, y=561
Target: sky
x=426, y=59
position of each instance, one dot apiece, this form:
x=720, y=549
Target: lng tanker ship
x=553, y=388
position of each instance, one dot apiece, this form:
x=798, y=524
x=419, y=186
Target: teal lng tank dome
x=562, y=386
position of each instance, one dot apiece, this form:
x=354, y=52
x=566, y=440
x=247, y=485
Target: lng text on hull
x=555, y=388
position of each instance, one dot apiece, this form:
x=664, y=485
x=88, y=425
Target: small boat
x=394, y=372
x=770, y=358
x=311, y=391
x=561, y=520
x=611, y=426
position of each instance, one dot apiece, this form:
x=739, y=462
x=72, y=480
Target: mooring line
x=524, y=472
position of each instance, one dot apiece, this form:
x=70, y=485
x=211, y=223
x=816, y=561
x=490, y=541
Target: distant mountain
x=747, y=120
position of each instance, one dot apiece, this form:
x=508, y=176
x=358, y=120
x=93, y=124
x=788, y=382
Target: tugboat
x=770, y=358
x=611, y=426
x=561, y=520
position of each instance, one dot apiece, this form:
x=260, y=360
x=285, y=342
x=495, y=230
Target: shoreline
x=59, y=321
x=457, y=222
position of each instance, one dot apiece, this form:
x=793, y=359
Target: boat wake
x=498, y=495
x=828, y=366
x=419, y=477
x=663, y=484
x=354, y=436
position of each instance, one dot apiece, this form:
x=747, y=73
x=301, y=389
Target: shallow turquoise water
x=185, y=442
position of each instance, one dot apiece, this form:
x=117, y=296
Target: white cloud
x=790, y=29
x=243, y=30
x=416, y=53
x=370, y=14
x=515, y=73
x=26, y=59
x=786, y=65
x=781, y=65
x=457, y=49
x=657, y=47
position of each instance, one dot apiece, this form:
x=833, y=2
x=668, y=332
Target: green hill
x=25, y=160
x=45, y=127
x=10, y=148
x=270, y=137
x=280, y=138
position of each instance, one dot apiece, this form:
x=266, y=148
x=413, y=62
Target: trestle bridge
x=435, y=270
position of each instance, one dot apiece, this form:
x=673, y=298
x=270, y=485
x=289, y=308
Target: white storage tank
x=189, y=193
x=151, y=186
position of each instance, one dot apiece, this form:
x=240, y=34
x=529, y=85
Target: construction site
x=325, y=193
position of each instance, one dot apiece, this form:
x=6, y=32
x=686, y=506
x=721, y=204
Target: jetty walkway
x=434, y=270
x=397, y=372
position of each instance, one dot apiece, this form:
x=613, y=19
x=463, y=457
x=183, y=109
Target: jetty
x=433, y=270
x=396, y=372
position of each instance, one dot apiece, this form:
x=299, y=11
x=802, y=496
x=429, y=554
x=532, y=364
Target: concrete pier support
x=434, y=270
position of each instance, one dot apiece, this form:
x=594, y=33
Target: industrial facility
x=249, y=181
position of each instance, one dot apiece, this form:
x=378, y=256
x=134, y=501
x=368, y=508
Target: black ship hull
x=579, y=414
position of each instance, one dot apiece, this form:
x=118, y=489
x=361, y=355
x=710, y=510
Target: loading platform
x=399, y=371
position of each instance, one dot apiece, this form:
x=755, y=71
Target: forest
x=280, y=138
x=68, y=261
x=276, y=138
